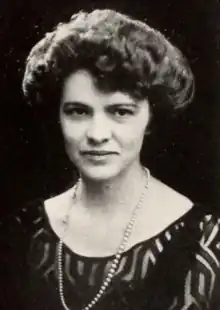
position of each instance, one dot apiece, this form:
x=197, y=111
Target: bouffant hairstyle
x=121, y=53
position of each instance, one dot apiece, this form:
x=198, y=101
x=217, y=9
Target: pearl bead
x=114, y=265
x=107, y=280
x=124, y=242
x=121, y=250
x=111, y=270
x=116, y=262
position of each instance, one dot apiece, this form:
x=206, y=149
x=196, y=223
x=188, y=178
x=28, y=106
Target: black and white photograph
x=110, y=155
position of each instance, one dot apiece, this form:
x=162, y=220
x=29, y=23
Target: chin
x=100, y=174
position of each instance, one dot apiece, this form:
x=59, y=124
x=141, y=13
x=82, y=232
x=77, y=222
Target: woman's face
x=103, y=132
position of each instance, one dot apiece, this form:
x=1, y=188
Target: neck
x=121, y=192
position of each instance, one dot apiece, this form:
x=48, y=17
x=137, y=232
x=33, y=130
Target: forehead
x=80, y=86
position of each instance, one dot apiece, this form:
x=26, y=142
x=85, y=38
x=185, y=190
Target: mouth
x=98, y=153
x=98, y=157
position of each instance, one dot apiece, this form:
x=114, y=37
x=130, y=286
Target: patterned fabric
x=178, y=269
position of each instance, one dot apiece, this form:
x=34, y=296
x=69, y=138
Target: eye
x=75, y=111
x=78, y=111
x=122, y=112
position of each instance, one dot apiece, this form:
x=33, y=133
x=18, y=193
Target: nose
x=99, y=130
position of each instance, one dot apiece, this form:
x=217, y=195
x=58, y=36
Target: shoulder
x=19, y=222
x=164, y=206
x=202, y=281
x=166, y=195
x=203, y=218
x=15, y=234
x=58, y=205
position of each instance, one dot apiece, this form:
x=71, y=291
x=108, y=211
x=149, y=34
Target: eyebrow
x=123, y=104
x=116, y=103
x=79, y=103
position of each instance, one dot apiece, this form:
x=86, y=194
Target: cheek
x=70, y=138
x=70, y=132
x=71, y=141
x=66, y=131
x=134, y=133
x=138, y=128
x=133, y=136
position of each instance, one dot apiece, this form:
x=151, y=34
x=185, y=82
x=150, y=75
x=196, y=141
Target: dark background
x=186, y=155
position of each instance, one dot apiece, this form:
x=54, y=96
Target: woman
x=118, y=238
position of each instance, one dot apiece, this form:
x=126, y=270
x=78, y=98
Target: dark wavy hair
x=122, y=54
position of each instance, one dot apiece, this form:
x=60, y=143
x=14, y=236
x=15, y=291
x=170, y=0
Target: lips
x=98, y=157
x=98, y=152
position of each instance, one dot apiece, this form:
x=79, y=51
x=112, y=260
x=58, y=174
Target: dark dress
x=178, y=269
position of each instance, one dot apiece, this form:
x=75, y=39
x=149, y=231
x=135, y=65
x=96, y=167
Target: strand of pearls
x=115, y=261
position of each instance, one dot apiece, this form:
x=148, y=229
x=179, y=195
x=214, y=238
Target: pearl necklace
x=115, y=261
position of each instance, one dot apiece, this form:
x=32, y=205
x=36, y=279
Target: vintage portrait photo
x=110, y=155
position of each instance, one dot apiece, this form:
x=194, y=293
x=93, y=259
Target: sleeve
x=14, y=242
x=202, y=279
x=209, y=259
